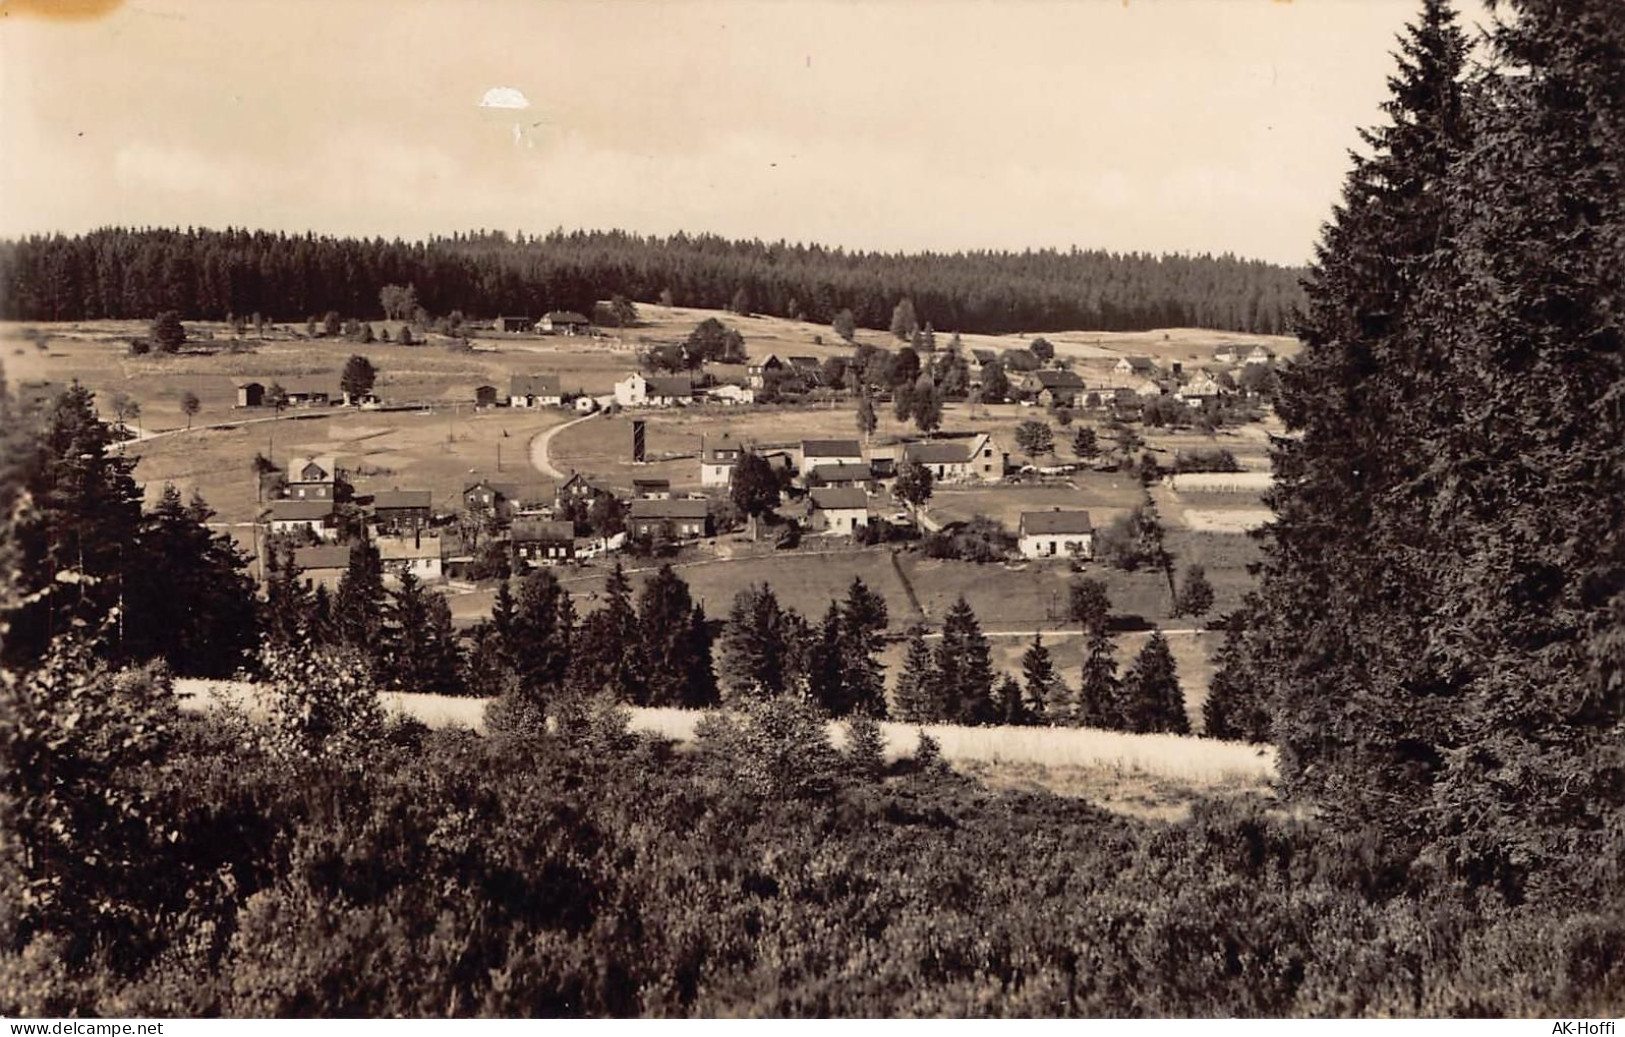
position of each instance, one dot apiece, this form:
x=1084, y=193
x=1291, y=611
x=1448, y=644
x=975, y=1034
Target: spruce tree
x=422, y=648
x=1009, y=704
x=763, y=648
x=1038, y=671
x=962, y=668
x=1097, y=703
x=543, y=631
x=863, y=618
x=358, y=608
x=914, y=696
x=1363, y=711
x=1234, y=708
x=675, y=640
x=608, y=656
x=1151, y=699
x=826, y=668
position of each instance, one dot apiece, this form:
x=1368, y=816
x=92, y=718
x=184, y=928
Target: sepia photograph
x=812, y=509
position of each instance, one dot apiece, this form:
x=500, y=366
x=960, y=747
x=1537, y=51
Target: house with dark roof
x=669, y=519
x=534, y=390
x=513, y=325
x=250, y=394
x=397, y=510
x=816, y=452
x=651, y=489
x=485, y=396
x=305, y=395
x=847, y=476
x=1052, y=387
x=541, y=542
x=757, y=371
x=1135, y=367
x=1056, y=534
x=296, y=517
x=839, y=510
x=564, y=322
x=977, y=459
x=322, y=566
x=496, y=498
x=718, y=455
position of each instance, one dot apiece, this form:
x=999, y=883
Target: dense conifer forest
x=1436, y=648
x=206, y=274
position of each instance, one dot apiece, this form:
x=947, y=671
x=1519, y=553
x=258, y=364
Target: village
x=1043, y=447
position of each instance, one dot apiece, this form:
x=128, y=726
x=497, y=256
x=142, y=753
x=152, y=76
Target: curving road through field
x=539, y=447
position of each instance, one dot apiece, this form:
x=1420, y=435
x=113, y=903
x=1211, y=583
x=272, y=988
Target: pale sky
x=1148, y=125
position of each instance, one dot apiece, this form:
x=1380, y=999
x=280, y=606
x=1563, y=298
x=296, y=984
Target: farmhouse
x=977, y=458
x=734, y=395
x=1148, y=389
x=757, y=371
x=651, y=489
x=396, y=510
x=312, y=478
x=1056, y=533
x=636, y=390
x=496, y=498
x=1050, y=387
x=308, y=396
x=534, y=390
x=579, y=488
x=250, y=394
x=1261, y=354
x=816, y=452
x=1135, y=367
x=843, y=475
x=565, y=322
x=669, y=519
x=717, y=459
x=1200, y=387
x=322, y=566
x=485, y=396
x=808, y=369
x=293, y=517
x=838, y=510
x=539, y=542
x=416, y=554
x=513, y=325
x=1227, y=354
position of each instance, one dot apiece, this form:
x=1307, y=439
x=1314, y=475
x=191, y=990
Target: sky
x=897, y=125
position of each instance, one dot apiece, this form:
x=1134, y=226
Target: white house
x=1135, y=367
x=534, y=390
x=1056, y=534
x=1199, y=388
x=758, y=370
x=734, y=395
x=717, y=459
x=818, y=452
x=294, y=516
x=838, y=510
x=418, y=555
x=965, y=460
x=636, y=390
x=1261, y=354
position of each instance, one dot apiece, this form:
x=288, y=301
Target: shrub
x=320, y=702
x=980, y=540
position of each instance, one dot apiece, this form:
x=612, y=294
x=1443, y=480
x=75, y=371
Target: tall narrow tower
x=638, y=441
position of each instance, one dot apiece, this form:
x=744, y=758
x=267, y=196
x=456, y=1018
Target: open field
x=1144, y=775
x=441, y=452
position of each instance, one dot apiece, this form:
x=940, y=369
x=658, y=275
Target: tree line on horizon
x=203, y=274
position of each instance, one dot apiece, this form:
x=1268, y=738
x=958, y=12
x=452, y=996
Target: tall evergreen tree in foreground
x=1444, y=586
x=676, y=641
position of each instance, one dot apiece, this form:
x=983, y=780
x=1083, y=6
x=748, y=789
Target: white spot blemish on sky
x=504, y=97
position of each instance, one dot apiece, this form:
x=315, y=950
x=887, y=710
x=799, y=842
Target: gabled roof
x=1140, y=364
x=985, y=356
x=842, y=473
x=936, y=453
x=670, y=385
x=726, y=441
x=395, y=548
x=830, y=498
x=771, y=359
x=299, y=510
x=673, y=509
x=326, y=462
x=651, y=484
x=1056, y=521
x=327, y=556
x=532, y=530
x=1052, y=379
x=533, y=385
x=831, y=448
x=402, y=499
x=565, y=317
x=804, y=361
x=309, y=389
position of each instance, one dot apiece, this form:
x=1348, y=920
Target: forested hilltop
x=207, y=274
